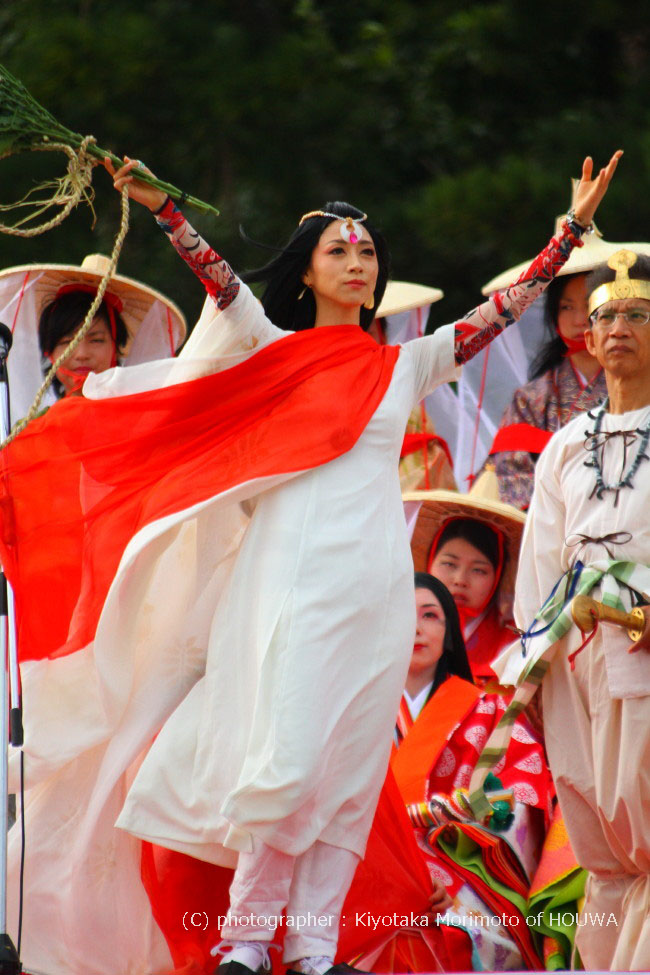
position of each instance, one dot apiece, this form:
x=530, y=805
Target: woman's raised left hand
x=591, y=190
x=127, y=175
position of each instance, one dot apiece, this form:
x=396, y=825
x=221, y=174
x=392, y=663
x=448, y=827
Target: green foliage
x=457, y=128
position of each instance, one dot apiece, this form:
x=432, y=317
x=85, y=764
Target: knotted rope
x=71, y=189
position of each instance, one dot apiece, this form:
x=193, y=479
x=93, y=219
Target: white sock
x=316, y=965
x=253, y=954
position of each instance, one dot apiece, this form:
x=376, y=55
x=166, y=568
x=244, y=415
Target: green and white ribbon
x=552, y=622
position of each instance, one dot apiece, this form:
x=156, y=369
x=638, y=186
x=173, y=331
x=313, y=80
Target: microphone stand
x=11, y=729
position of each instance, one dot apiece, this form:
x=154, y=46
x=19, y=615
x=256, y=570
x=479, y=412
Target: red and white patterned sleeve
x=488, y=320
x=218, y=278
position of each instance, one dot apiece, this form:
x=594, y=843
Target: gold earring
x=302, y=293
x=370, y=303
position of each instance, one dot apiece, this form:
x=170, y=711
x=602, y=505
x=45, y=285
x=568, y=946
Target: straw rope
x=71, y=189
x=88, y=320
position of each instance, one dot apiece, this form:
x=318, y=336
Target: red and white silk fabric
x=234, y=533
x=134, y=493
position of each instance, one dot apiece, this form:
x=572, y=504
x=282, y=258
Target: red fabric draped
x=390, y=884
x=520, y=436
x=484, y=644
x=188, y=897
x=420, y=441
x=80, y=481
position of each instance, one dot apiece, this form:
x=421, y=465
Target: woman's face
x=573, y=312
x=467, y=573
x=429, y=634
x=341, y=273
x=93, y=354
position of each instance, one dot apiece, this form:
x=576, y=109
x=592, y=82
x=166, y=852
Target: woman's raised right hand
x=127, y=175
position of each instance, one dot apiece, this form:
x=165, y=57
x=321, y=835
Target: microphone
x=6, y=338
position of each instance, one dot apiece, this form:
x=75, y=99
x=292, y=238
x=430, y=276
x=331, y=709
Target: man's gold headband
x=623, y=286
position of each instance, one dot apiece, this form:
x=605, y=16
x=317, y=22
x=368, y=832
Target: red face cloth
x=574, y=345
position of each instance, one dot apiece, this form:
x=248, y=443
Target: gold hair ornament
x=623, y=286
x=350, y=228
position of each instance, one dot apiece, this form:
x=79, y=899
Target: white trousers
x=599, y=753
x=312, y=888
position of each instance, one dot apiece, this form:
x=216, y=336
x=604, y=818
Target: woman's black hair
x=66, y=313
x=454, y=655
x=554, y=349
x=283, y=274
x=477, y=533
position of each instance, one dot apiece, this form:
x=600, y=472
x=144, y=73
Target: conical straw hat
x=437, y=507
x=583, y=259
x=156, y=326
x=137, y=299
x=403, y=296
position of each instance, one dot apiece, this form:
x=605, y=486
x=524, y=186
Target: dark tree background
x=457, y=127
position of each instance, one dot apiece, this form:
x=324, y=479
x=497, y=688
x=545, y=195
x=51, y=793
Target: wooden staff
x=586, y=612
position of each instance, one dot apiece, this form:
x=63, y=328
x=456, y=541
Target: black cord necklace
x=595, y=443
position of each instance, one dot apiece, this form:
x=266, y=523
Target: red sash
x=520, y=436
x=80, y=481
x=420, y=441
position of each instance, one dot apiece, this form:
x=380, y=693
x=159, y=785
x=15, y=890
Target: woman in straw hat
x=98, y=350
x=565, y=379
x=306, y=427
x=471, y=543
x=44, y=305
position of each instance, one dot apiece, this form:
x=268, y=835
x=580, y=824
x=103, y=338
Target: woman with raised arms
x=253, y=537
x=254, y=767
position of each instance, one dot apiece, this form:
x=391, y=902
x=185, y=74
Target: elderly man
x=588, y=531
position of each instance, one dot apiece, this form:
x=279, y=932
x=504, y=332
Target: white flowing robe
x=288, y=735
x=597, y=717
x=304, y=606
x=298, y=590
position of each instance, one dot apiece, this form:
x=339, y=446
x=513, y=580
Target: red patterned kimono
x=485, y=873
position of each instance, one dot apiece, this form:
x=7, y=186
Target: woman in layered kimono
x=255, y=473
x=443, y=722
x=564, y=379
